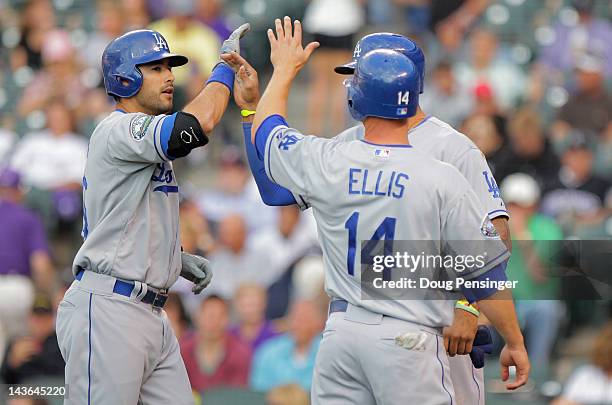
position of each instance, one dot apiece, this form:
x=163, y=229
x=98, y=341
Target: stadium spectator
x=290, y=358
x=210, y=12
x=602, y=166
x=252, y=328
x=290, y=394
x=534, y=239
x=52, y=163
x=576, y=196
x=481, y=129
x=177, y=314
x=450, y=21
x=53, y=158
x=292, y=236
x=37, y=20
x=454, y=17
x=235, y=261
x=590, y=34
x=23, y=248
x=485, y=66
x=110, y=23
x=308, y=280
x=214, y=358
x=590, y=107
x=531, y=152
x=336, y=36
x=235, y=192
x=136, y=13
x=485, y=104
x=25, y=262
x=7, y=139
x=193, y=39
x=443, y=98
x=591, y=384
x=37, y=354
x=60, y=71
x=195, y=234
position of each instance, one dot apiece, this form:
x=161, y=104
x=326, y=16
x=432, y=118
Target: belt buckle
x=159, y=300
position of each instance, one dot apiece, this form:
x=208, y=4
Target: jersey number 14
x=385, y=231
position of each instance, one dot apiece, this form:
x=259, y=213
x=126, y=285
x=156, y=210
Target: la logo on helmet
x=160, y=42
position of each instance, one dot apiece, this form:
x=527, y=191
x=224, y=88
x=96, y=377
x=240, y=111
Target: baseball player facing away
x=116, y=340
x=358, y=361
x=439, y=140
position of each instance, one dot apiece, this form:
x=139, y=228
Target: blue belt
x=337, y=306
x=125, y=288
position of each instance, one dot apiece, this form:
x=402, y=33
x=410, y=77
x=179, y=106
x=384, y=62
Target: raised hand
x=246, y=85
x=286, y=52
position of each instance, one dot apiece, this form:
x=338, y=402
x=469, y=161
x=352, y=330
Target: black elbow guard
x=186, y=135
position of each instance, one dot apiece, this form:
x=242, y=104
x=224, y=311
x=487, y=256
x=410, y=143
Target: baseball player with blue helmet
x=376, y=188
x=116, y=340
x=439, y=140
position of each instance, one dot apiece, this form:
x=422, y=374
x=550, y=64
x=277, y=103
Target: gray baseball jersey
x=362, y=191
x=118, y=349
x=440, y=141
x=130, y=198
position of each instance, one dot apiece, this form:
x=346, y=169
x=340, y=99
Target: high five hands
x=286, y=52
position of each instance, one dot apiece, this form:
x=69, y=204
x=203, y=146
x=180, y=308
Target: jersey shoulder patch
x=139, y=125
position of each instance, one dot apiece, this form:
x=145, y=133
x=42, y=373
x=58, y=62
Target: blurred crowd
x=527, y=81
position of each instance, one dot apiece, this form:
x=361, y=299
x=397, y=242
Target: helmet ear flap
x=352, y=100
x=133, y=76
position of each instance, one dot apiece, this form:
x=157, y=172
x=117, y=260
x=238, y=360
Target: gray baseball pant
x=118, y=351
x=359, y=362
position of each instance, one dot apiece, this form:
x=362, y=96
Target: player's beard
x=153, y=102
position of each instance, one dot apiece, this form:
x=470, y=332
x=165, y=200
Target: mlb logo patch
x=402, y=111
x=382, y=153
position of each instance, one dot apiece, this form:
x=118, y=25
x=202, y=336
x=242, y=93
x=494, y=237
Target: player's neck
x=391, y=132
x=130, y=105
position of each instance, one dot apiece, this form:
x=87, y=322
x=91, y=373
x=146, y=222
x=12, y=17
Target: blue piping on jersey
x=267, y=149
x=155, y=140
x=494, y=211
x=420, y=123
x=264, y=131
x=477, y=385
x=121, y=111
x=442, y=368
x=386, y=146
x=165, y=132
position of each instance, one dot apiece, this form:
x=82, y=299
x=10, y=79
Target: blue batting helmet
x=386, y=40
x=385, y=84
x=121, y=58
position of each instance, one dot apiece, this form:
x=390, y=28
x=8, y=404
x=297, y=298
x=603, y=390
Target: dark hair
x=445, y=65
x=214, y=297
